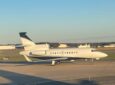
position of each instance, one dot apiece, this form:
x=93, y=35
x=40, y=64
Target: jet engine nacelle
x=27, y=53
x=97, y=58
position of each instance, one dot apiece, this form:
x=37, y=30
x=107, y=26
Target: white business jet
x=43, y=51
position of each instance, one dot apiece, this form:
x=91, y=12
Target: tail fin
x=26, y=41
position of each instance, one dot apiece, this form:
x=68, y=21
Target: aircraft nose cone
x=104, y=55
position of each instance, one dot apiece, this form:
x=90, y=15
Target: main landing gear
x=55, y=62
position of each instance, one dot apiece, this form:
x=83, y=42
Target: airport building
x=7, y=47
x=63, y=46
x=84, y=46
x=110, y=45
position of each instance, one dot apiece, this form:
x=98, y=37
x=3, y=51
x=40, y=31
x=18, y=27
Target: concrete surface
x=77, y=73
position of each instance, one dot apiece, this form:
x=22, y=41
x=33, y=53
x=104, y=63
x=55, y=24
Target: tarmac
x=77, y=73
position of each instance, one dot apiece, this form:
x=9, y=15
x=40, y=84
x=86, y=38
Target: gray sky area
x=58, y=20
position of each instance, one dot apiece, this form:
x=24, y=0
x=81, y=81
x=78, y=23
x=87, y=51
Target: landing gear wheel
x=53, y=63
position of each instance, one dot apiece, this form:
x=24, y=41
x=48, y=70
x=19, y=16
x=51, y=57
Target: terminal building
x=110, y=45
x=7, y=47
x=63, y=46
x=84, y=46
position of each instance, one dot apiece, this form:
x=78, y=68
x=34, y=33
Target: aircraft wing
x=59, y=59
x=54, y=59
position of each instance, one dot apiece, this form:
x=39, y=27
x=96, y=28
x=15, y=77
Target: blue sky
x=58, y=20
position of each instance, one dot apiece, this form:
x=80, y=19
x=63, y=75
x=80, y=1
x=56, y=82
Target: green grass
x=111, y=55
x=11, y=55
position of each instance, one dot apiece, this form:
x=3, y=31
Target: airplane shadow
x=87, y=82
x=22, y=79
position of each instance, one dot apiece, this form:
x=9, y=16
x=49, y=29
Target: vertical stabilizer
x=26, y=41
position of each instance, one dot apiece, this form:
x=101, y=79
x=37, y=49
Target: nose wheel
x=92, y=60
x=53, y=63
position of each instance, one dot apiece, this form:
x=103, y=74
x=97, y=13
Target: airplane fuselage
x=67, y=53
